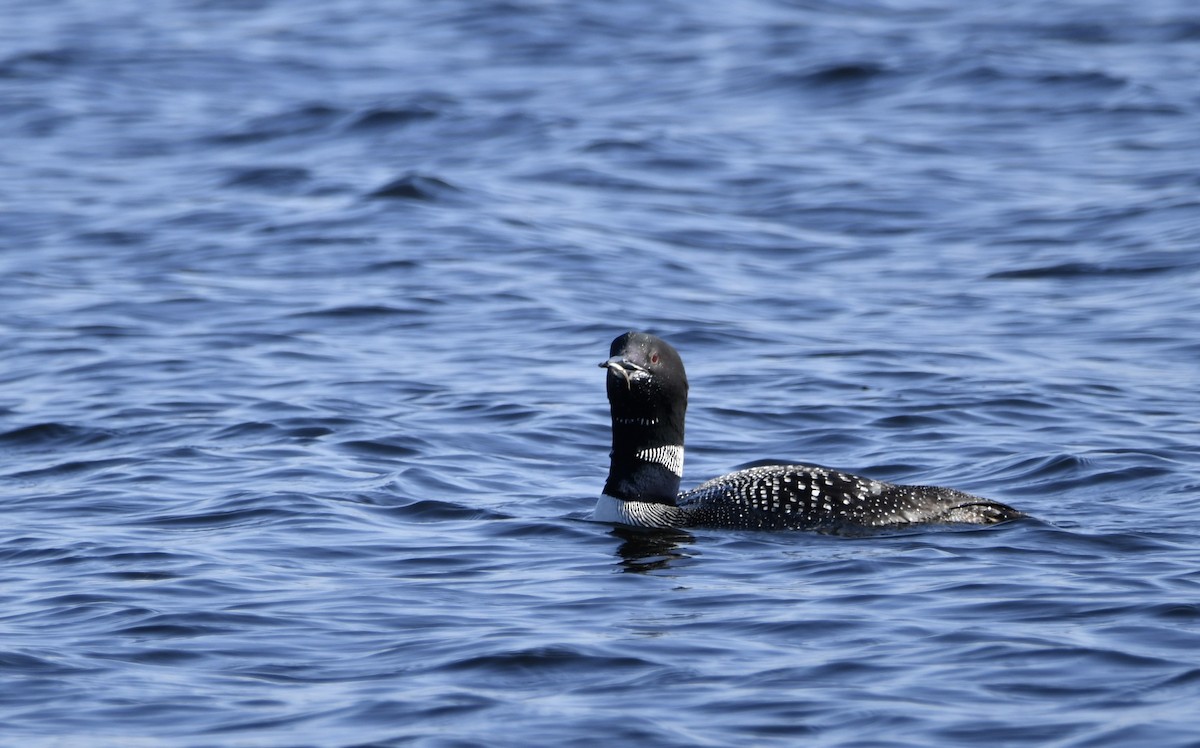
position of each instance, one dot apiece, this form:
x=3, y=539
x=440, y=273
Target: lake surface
x=300, y=418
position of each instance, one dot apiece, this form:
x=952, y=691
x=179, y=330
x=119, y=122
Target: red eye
x=654, y=358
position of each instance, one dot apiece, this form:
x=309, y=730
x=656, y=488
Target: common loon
x=647, y=394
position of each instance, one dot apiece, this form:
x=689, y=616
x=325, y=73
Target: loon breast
x=647, y=392
x=638, y=513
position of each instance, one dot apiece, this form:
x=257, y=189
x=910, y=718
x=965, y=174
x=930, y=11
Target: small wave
x=581, y=176
x=839, y=80
x=1092, y=270
x=45, y=63
x=114, y=238
x=847, y=73
x=1095, y=32
x=549, y=662
x=268, y=177
x=390, y=118
x=71, y=467
x=219, y=518
x=434, y=510
x=415, y=186
x=360, y=311
x=54, y=434
x=616, y=145
x=259, y=432
x=1084, y=80
x=16, y=662
x=400, y=446
x=300, y=121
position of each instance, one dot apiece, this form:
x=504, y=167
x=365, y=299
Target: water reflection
x=648, y=549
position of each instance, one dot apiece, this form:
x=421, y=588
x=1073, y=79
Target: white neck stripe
x=669, y=456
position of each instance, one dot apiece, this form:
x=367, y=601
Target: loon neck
x=646, y=462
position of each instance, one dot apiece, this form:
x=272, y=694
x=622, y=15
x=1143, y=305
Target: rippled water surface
x=300, y=419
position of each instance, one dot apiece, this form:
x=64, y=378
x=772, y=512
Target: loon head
x=647, y=396
x=647, y=384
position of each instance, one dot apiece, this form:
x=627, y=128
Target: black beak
x=621, y=365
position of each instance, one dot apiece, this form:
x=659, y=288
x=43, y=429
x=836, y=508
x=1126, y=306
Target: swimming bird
x=647, y=395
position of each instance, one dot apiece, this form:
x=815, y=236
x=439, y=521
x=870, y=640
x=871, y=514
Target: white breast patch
x=636, y=513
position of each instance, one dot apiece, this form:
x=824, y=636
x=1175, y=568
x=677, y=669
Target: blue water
x=300, y=418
